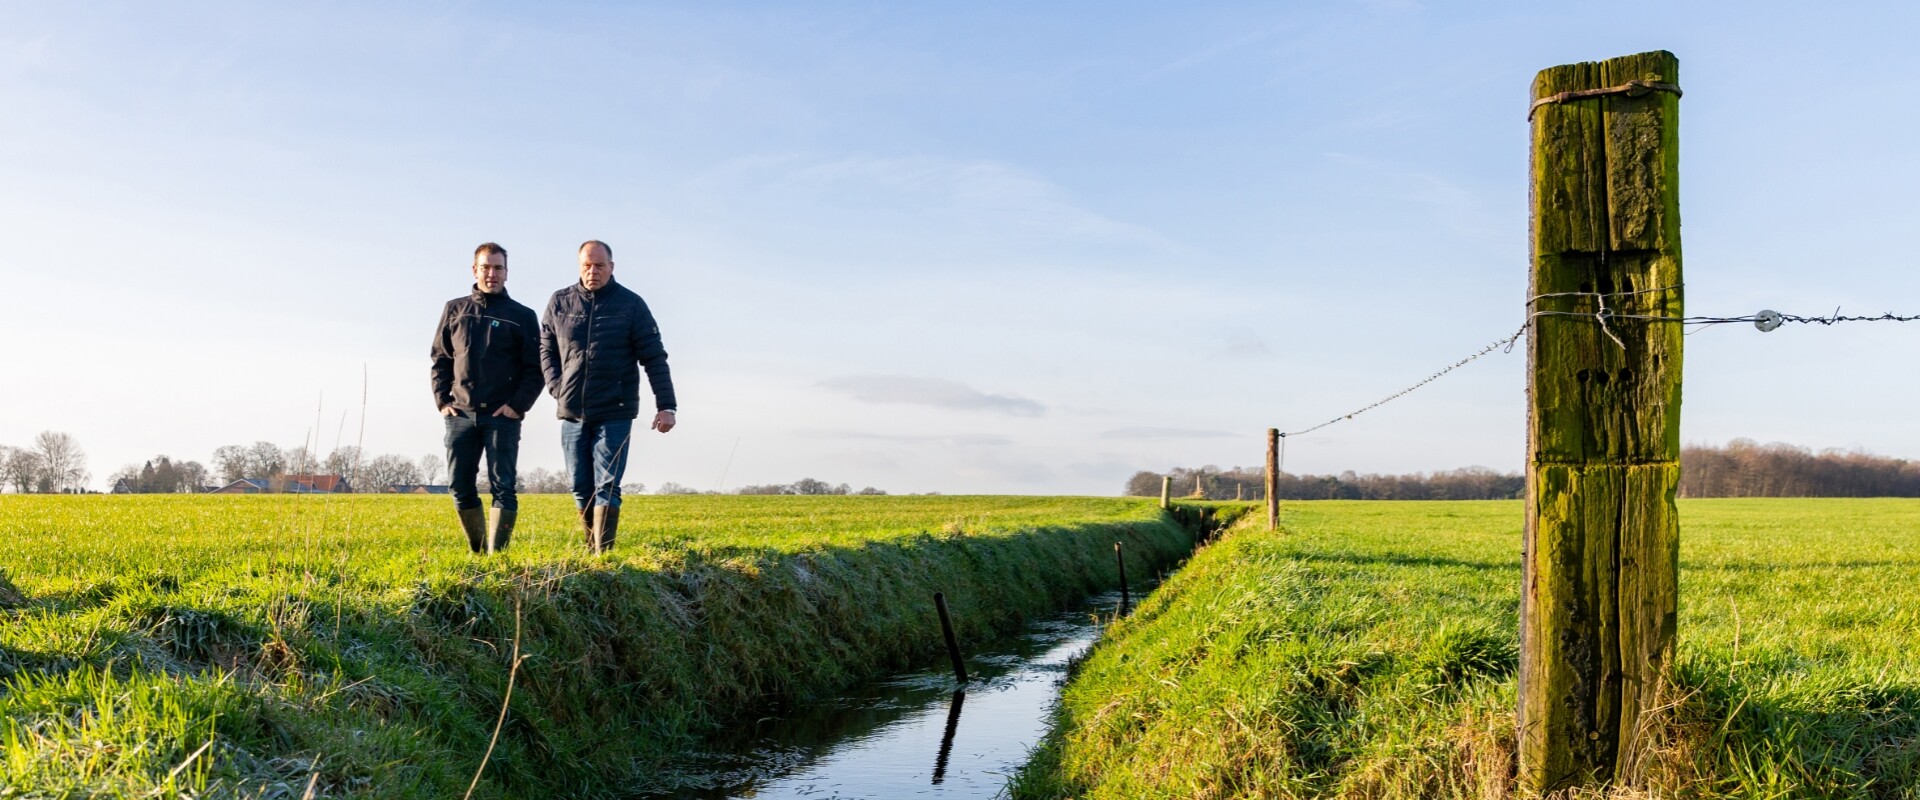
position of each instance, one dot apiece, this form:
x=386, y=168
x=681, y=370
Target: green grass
x=1368, y=651
x=253, y=646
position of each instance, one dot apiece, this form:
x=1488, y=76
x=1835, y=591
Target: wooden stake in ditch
x=953, y=644
x=1166, y=491
x=1273, y=479
x=1600, y=581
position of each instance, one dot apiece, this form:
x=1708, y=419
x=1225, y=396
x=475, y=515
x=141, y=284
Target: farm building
x=318, y=484
x=417, y=488
x=290, y=484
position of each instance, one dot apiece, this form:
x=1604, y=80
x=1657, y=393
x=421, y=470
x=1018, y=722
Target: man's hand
x=506, y=411
x=449, y=411
x=663, y=421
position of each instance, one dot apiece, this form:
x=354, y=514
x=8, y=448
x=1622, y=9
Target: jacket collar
x=595, y=293
x=483, y=298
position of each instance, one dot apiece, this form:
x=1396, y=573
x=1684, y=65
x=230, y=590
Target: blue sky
x=927, y=247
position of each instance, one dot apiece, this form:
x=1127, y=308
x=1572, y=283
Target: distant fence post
x=1273, y=479
x=1600, y=575
x=1166, y=491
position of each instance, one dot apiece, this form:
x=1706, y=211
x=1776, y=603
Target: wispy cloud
x=951, y=440
x=1165, y=433
x=979, y=192
x=937, y=392
x=1454, y=205
x=1214, y=51
x=1242, y=342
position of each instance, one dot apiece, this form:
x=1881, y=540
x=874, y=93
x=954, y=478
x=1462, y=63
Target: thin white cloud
x=1457, y=207
x=952, y=440
x=936, y=392
x=980, y=192
x=1214, y=51
x=1244, y=342
x=1165, y=433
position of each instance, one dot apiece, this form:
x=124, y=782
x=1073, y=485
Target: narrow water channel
x=911, y=735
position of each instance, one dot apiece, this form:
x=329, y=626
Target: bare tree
x=347, y=461
x=266, y=460
x=232, y=462
x=301, y=461
x=22, y=469
x=541, y=480
x=430, y=468
x=63, y=465
x=389, y=470
x=7, y=466
x=805, y=486
x=193, y=477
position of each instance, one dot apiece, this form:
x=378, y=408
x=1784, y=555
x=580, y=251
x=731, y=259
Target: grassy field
x=1368, y=651
x=350, y=646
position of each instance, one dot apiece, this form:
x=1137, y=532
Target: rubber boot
x=502, y=531
x=474, y=520
x=606, y=525
x=586, y=526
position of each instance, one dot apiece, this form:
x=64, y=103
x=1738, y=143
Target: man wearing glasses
x=594, y=339
x=486, y=375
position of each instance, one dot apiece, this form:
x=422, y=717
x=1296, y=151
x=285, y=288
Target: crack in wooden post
x=1600, y=576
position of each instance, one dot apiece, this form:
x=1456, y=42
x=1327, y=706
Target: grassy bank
x=257, y=646
x=1368, y=651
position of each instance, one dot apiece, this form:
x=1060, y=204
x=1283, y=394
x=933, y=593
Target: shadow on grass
x=1855, y=741
x=1404, y=560
x=1799, y=566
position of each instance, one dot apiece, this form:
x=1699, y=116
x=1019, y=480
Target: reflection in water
x=873, y=742
x=946, y=742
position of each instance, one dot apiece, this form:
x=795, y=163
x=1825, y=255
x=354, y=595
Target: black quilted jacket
x=592, y=346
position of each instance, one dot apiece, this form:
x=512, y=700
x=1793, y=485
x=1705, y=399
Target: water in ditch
x=911, y=735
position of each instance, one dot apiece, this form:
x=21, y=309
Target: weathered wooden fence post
x=1599, y=586
x=1273, y=479
x=953, y=643
x=1166, y=491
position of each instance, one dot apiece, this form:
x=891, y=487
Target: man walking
x=486, y=375
x=594, y=338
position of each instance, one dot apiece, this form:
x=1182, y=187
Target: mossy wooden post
x=1602, y=536
x=1273, y=479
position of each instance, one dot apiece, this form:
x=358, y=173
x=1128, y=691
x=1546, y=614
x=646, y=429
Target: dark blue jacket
x=592, y=345
x=486, y=354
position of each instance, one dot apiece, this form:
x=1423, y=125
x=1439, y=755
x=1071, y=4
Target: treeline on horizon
x=54, y=463
x=1742, y=468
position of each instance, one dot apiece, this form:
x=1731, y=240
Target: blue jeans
x=468, y=436
x=596, y=457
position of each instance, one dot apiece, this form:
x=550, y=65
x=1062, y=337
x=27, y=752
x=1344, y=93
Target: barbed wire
x=1504, y=345
x=1765, y=320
